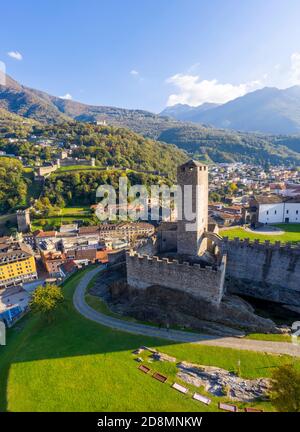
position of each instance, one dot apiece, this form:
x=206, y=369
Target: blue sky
x=150, y=53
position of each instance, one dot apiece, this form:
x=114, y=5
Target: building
x=185, y=275
x=53, y=262
x=270, y=209
x=180, y=258
x=192, y=177
x=17, y=264
x=23, y=220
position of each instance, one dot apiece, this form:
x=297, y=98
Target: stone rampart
x=264, y=270
x=207, y=283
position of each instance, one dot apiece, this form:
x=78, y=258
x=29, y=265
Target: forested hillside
x=211, y=143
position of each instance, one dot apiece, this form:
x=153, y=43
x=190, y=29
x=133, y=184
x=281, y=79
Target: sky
x=149, y=54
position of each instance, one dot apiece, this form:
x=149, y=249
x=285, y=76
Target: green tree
x=45, y=300
x=285, y=390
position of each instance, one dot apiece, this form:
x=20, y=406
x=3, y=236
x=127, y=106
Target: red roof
x=45, y=234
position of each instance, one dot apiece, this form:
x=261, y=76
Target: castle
x=201, y=264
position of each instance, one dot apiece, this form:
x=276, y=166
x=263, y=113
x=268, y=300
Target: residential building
x=274, y=209
x=17, y=264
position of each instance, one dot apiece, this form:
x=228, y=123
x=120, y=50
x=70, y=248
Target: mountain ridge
x=201, y=141
x=269, y=110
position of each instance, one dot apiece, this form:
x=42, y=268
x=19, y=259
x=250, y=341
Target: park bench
x=228, y=407
x=159, y=377
x=201, y=398
x=144, y=368
x=179, y=388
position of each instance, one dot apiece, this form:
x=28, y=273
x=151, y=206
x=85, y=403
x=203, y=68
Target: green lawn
x=76, y=364
x=78, y=211
x=78, y=168
x=56, y=221
x=269, y=337
x=291, y=234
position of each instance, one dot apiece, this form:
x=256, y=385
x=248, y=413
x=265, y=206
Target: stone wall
x=144, y=271
x=264, y=270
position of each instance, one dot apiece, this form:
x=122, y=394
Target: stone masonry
x=144, y=271
x=192, y=177
x=263, y=270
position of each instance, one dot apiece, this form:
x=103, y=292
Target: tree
x=285, y=389
x=232, y=188
x=46, y=299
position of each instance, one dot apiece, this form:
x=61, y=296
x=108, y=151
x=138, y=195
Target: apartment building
x=17, y=264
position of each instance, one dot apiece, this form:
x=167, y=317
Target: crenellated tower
x=192, y=177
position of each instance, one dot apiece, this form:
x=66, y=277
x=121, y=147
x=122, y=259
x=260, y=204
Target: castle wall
x=144, y=271
x=264, y=270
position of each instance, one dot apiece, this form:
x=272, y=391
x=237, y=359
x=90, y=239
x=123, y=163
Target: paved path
x=174, y=335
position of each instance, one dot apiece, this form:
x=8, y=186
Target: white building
x=275, y=209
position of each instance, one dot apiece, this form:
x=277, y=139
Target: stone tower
x=192, y=178
x=23, y=220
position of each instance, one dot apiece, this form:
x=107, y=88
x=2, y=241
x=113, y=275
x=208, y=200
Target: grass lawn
x=78, y=168
x=269, y=337
x=57, y=221
x=78, y=211
x=76, y=364
x=291, y=234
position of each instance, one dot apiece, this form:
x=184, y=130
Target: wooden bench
x=249, y=409
x=144, y=368
x=180, y=388
x=159, y=377
x=201, y=398
x=228, y=407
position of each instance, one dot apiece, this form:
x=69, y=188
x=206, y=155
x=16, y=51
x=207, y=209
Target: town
x=149, y=213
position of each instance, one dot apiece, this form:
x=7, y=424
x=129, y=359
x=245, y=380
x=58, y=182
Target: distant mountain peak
x=185, y=112
x=267, y=110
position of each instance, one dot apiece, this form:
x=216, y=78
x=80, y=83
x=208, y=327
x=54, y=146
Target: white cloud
x=134, y=72
x=193, y=91
x=295, y=68
x=15, y=55
x=67, y=96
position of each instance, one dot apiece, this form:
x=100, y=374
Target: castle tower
x=192, y=178
x=23, y=220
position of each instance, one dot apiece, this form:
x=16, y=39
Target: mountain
x=186, y=112
x=29, y=103
x=205, y=142
x=269, y=110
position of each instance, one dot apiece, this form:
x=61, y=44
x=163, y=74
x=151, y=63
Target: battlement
x=144, y=271
x=149, y=258
x=261, y=245
x=265, y=270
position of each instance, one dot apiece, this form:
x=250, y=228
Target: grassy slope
x=75, y=364
x=291, y=234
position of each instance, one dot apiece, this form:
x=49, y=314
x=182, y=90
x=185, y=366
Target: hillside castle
x=205, y=267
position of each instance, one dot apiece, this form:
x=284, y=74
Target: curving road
x=175, y=335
